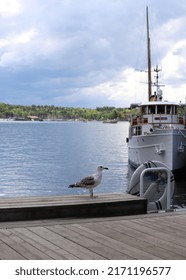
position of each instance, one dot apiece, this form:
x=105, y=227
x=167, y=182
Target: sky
x=79, y=53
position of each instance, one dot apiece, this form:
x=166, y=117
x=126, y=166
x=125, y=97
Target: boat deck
x=150, y=236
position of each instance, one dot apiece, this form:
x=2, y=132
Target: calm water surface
x=43, y=158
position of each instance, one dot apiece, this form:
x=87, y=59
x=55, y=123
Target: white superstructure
x=157, y=132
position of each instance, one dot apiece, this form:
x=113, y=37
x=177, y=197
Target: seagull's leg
x=91, y=193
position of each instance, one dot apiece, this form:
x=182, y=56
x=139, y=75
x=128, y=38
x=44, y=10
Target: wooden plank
x=43, y=245
x=113, y=232
x=131, y=237
x=153, y=237
x=164, y=235
x=7, y=253
x=164, y=225
x=66, y=244
x=27, y=250
x=71, y=206
x=112, y=243
x=93, y=245
x=65, y=200
x=180, y=222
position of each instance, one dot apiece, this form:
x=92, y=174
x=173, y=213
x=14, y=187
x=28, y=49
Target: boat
x=110, y=121
x=158, y=130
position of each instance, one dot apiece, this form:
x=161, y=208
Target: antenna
x=158, y=92
x=157, y=70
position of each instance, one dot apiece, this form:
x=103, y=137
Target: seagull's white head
x=100, y=168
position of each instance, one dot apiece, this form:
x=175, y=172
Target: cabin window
x=169, y=109
x=160, y=109
x=136, y=130
x=176, y=110
x=151, y=109
x=160, y=119
x=144, y=110
x=172, y=110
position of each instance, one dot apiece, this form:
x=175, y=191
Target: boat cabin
x=157, y=115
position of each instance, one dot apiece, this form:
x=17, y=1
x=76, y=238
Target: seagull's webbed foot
x=91, y=194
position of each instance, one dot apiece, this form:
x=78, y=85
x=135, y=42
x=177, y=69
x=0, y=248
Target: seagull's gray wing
x=87, y=182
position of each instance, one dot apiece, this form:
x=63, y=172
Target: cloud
x=9, y=8
x=85, y=53
x=174, y=71
x=114, y=92
x=174, y=61
x=15, y=48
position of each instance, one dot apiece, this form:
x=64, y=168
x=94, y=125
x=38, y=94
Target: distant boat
x=157, y=132
x=110, y=121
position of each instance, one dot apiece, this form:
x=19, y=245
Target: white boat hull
x=166, y=146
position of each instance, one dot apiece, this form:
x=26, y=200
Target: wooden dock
x=32, y=208
x=150, y=236
x=111, y=226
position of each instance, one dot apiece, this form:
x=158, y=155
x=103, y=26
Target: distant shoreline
x=59, y=120
x=35, y=113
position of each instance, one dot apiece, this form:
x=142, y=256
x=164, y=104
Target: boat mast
x=148, y=57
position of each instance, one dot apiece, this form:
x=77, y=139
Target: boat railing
x=182, y=133
x=157, y=119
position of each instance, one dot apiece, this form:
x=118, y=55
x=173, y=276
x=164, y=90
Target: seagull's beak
x=105, y=168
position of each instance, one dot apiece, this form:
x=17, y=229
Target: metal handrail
x=155, y=169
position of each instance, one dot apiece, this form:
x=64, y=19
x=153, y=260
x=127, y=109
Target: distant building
x=33, y=118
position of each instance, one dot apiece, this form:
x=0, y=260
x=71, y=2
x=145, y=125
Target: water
x=180, y=189
x=43, y=158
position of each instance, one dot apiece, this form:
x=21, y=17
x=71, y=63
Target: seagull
x=90, y=182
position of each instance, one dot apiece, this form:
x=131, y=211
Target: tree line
x=45, y=112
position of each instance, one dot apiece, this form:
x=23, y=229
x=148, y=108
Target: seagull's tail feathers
x=74, y=186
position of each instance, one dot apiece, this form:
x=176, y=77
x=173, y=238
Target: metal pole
x=148, y=57
x=168, y=188
x=168, y=181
